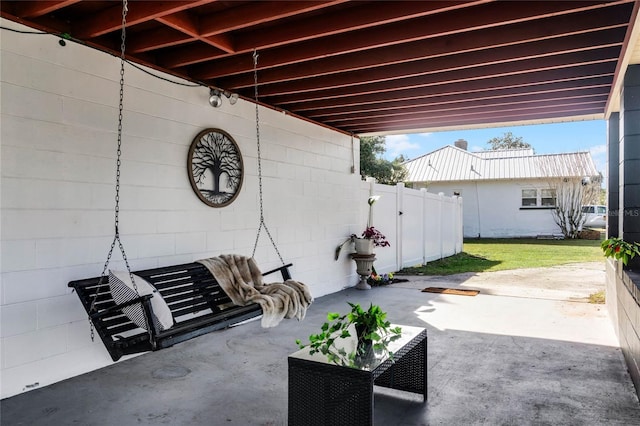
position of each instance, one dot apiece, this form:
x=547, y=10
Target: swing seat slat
x=196, y=301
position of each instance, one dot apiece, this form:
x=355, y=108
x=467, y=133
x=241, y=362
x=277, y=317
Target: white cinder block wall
x=58, y=147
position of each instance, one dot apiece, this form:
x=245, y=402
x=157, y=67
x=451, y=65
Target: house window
x=529, y=197
x=541, y=198
x=548, y=197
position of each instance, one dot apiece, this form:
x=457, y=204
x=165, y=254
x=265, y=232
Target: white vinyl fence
x=420, y=226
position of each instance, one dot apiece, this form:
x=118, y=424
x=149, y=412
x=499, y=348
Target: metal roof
x=452, y=164
x=522, y=152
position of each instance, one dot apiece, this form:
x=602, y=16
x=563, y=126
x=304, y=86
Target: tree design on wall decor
x=215, y=167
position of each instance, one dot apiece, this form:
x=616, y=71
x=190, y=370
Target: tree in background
x=508, y=141
x=373, y=165
x=570, y=195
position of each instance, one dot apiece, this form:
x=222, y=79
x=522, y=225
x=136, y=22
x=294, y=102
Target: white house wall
x=493, y=209
x=58, y=143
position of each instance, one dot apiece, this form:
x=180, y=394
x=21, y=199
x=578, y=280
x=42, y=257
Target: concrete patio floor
x=519, y=353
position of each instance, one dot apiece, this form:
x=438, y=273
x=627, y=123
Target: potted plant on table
x=373, y=335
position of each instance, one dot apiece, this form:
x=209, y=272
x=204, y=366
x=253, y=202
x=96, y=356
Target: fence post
x=424, y=225
x=460, y=241
x=440, y=222
x=399, y=222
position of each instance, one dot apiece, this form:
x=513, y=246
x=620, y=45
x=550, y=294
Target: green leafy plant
x=374, y=332
x=620, y=249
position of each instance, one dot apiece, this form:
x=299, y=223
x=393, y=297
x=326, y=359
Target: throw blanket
x=241, y=279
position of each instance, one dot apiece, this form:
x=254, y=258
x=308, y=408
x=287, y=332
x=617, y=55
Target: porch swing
x=149, y=310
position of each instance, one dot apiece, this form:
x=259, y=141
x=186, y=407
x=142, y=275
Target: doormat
x=443, y=290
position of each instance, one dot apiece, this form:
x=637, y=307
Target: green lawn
x=502, y=254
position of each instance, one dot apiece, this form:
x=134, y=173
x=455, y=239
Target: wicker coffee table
x=323, y=393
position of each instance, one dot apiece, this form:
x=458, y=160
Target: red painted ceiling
x=371, y=66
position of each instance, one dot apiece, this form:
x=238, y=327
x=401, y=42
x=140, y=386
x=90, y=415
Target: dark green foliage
x=620, y=249
x=371, y=164
x=372, y=326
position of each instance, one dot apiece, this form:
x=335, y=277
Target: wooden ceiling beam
x=35, y=9
x=367, y=66
x=158, y=38
x=255, y=13
x=591, y=85
x=337, y=23
x=580, y=32
x=210, y=29
x=368, y=15
x=179, y=57
x=185, y=23
x=504, y=117
x=458, y=21
x=581, y=44
x=607, y=57
x=182, y=21
x=558, y=78
x=464, y=110
x=110, y=19
x=462, y=101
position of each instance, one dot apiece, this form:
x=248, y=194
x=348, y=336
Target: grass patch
x=597, y=298
x=461, y=262
x=503, y=254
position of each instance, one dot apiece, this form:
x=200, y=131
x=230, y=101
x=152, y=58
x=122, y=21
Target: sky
x=544, y=138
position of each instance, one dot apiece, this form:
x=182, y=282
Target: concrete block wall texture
x=629, y=161
x=613, y=162
x=623, y=283
x=623, y=304
x=59, y=120
x=59, y=108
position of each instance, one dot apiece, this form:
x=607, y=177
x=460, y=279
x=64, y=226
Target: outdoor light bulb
x=215, y=100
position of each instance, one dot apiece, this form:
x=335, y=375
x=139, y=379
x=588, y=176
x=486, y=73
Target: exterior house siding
x=494, y=210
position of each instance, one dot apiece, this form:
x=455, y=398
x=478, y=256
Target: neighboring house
x=505, y=193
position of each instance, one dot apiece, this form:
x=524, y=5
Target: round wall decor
x=215, y=167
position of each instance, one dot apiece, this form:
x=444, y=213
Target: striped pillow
x=122, y=290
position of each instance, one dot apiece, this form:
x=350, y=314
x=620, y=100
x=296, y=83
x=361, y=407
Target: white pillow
x=122, y=290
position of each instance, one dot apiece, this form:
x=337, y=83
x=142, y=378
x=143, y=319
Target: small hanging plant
x=374, y=332
x=619, y=249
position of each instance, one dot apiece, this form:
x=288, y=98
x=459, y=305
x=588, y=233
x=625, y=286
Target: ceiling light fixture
x=233, y=97
x=215, y=97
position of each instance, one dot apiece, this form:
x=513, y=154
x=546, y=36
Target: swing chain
x=123, y=37
x=262, y=223
x=116, y=237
